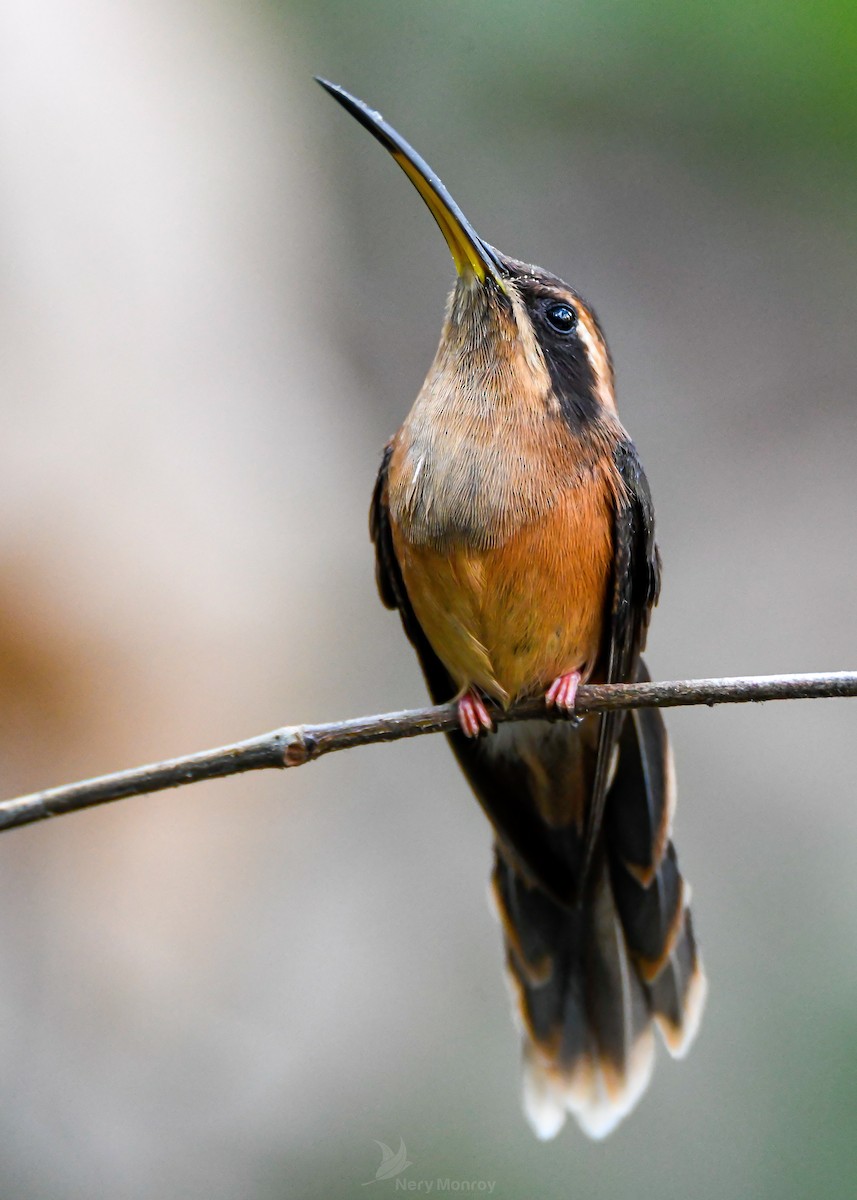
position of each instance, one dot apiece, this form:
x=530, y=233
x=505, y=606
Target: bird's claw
x=473, y=717
x=562, y=694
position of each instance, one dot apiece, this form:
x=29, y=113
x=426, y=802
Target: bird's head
x=514, y=327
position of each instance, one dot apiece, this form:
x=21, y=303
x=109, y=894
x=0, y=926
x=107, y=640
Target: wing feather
x=634, y=592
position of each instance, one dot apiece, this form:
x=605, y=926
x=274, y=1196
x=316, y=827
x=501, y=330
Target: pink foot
x=473, y=716
x=563, y=692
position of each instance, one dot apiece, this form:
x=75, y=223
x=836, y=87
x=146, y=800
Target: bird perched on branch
x=514, y=533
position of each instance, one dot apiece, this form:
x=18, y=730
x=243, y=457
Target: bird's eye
x=561, y=317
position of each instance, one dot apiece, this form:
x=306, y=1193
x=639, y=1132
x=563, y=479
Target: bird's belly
x=512, y=618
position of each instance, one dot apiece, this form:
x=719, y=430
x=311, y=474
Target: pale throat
x=474, y=459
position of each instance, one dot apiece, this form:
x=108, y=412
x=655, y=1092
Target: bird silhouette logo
x=392, y=1164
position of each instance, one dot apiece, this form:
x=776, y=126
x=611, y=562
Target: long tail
x=592, y=980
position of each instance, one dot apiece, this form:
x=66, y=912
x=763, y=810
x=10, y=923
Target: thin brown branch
x=295, y=745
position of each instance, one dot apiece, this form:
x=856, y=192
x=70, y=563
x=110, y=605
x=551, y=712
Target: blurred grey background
x=218, y=299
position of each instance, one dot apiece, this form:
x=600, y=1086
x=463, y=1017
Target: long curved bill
x=471, y=255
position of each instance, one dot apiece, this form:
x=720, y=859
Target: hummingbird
x=514, y=533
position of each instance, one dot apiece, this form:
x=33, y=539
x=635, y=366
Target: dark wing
x=387, y=574
x=392, y=587
x=635, y=587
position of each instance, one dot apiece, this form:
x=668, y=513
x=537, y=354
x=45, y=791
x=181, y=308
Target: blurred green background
x=219, y=298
